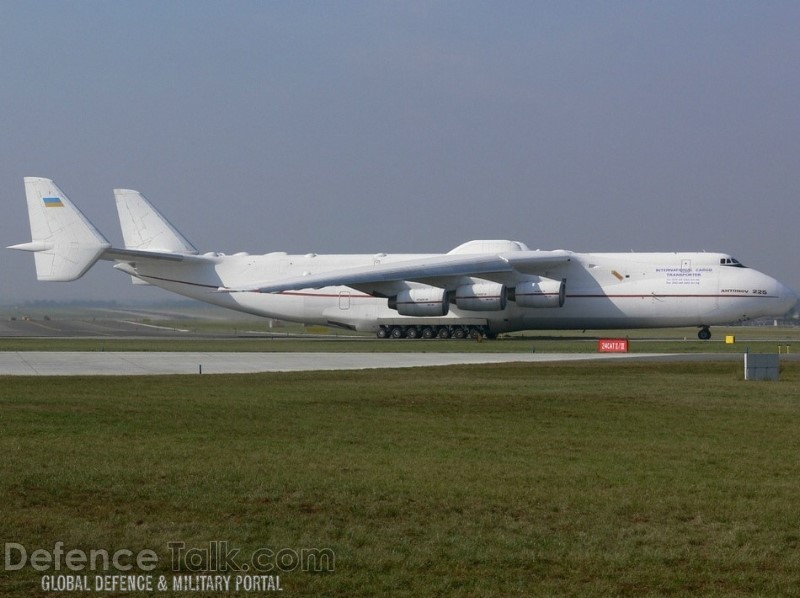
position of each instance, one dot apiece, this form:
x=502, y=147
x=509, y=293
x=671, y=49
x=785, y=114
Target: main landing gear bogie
x=429, y=332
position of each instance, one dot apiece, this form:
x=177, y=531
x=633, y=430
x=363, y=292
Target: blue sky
x=358, y=127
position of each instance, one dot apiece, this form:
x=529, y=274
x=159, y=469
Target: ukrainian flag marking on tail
x=52, y=202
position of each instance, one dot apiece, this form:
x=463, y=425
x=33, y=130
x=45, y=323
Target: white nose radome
x=788, y=297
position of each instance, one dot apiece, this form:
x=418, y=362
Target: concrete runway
x=78, y=363
x=57, y=363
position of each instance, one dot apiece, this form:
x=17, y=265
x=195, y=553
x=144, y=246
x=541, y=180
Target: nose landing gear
x=704, y=333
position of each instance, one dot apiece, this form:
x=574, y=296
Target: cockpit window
x=731, y=261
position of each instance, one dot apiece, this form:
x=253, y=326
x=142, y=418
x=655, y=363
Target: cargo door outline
x=344, y=300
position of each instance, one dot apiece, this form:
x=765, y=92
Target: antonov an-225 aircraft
x=478, y=288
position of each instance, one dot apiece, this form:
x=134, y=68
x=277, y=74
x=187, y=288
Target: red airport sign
x=612, y=345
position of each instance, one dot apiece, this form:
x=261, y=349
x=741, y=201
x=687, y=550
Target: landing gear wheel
x=383, y=332
x=704, y=333
x=397, y=332
x=412, y=332
x=444, y=332
x=459, y=333
x=428, y=332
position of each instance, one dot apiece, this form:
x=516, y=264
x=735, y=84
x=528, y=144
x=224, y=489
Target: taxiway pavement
x=126, y=363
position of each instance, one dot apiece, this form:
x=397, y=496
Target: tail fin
x=64, y=242
x=145, y=228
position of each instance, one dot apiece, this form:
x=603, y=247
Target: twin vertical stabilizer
x=144, y=228
x=64, y=242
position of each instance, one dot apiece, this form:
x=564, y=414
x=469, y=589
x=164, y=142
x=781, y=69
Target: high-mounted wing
x=442, y=271
x=133, y=255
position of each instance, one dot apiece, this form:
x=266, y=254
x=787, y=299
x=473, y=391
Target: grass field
x=764, y=339
x=494, y=480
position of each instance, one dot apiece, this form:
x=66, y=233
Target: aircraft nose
x=789, y=297
x=786, y=298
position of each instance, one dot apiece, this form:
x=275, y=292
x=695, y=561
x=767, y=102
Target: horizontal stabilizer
x=65, y=244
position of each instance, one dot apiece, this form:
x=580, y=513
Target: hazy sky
x=407, y=126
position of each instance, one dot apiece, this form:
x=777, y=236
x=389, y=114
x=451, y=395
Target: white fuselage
x=479, y=287
x=603, y=291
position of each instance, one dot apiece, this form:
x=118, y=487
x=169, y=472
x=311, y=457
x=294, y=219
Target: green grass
x=498, y=480
x=765, y=339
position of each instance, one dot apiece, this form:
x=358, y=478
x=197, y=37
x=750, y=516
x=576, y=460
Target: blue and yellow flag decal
x=53, y=202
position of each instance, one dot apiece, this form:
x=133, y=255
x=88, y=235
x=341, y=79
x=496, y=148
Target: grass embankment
x=497, y=480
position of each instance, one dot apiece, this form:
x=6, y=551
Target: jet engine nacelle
x=421, y=302
x=546, y=292
x=482, y=296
